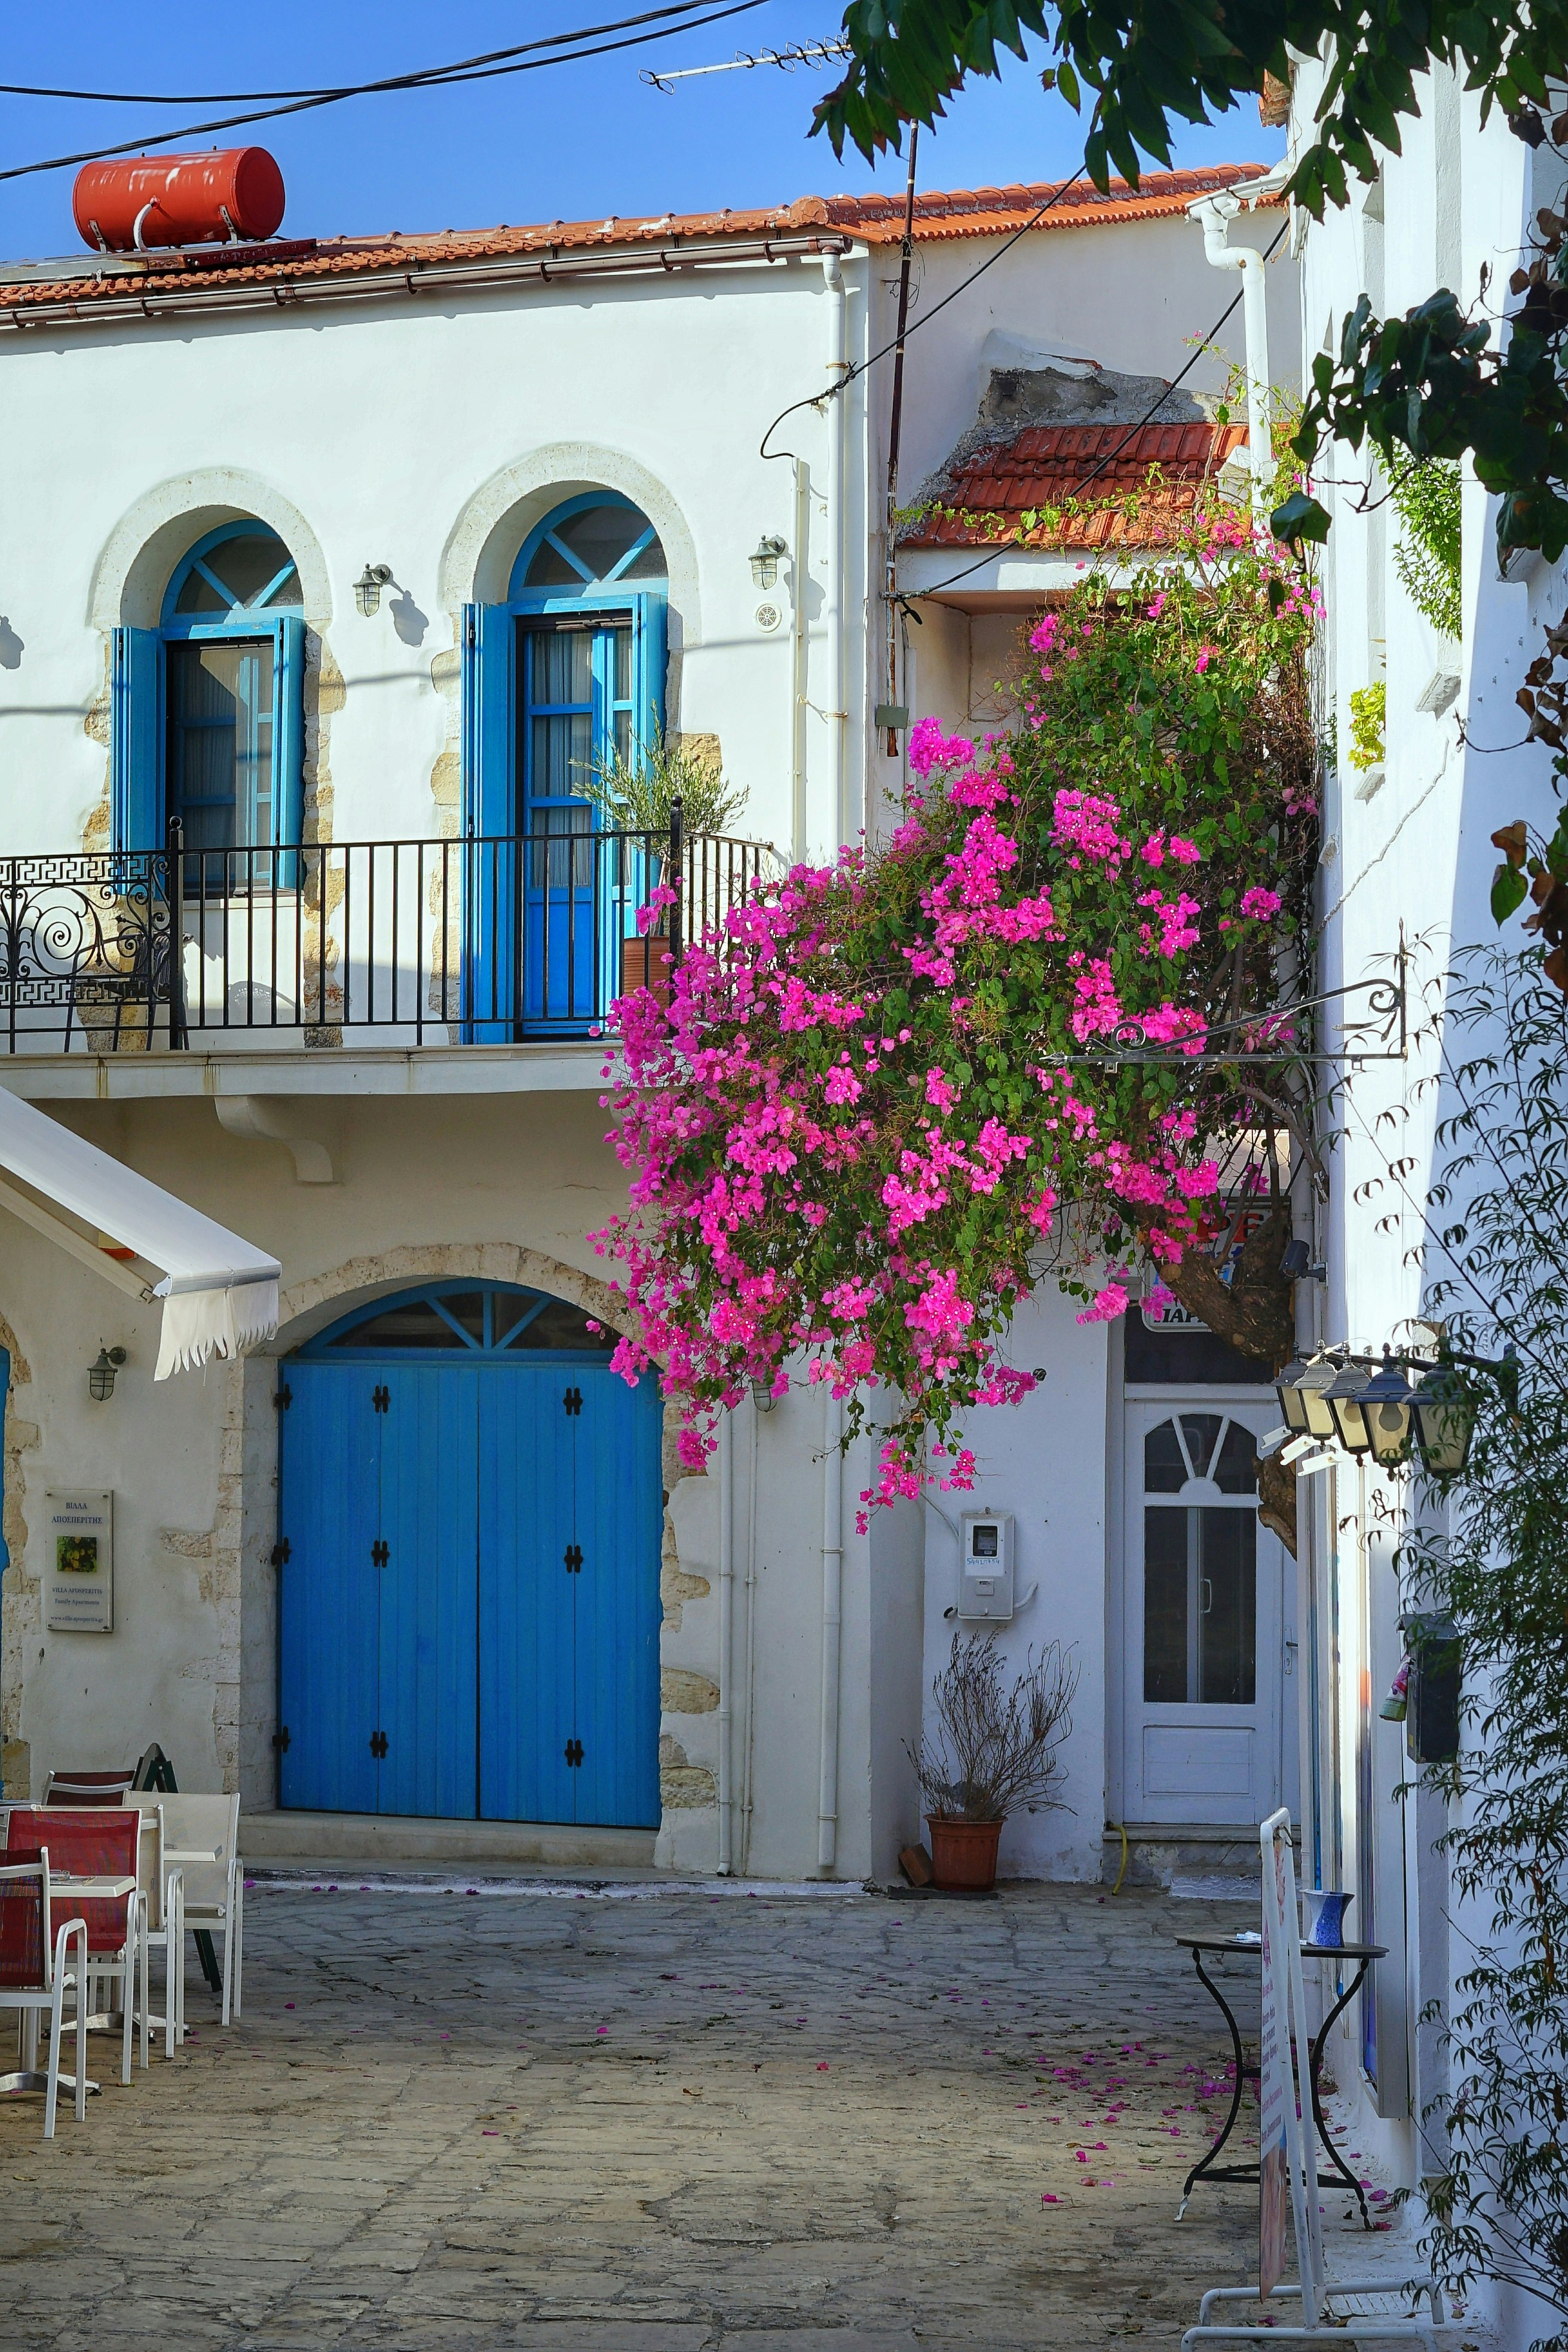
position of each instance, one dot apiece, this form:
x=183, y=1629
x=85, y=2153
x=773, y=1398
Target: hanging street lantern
x=1387, y=1405
x=1344, y=1398
x=1291, y=1403
x=1444, y=1420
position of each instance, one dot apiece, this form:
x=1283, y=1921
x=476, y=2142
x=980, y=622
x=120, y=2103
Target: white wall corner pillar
x=311, y=1132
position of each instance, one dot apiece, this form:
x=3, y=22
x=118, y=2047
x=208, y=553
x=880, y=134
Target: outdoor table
x=1231, y=1947
x=25, y=2078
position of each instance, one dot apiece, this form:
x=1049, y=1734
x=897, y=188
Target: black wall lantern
x=100, y=1376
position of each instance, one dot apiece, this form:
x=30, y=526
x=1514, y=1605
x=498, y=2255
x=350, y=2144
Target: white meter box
x=985, y=1590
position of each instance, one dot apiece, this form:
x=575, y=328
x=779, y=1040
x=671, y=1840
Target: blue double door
x=468, y=1591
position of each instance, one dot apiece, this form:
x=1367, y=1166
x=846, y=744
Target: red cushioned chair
x=34, y=1976
x=98, y=1848
x=87, y=1788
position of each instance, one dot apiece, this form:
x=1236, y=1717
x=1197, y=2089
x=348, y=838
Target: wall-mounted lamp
x=765, y=558
x=368, y=588
x=100, y=1376
x=763, y=1396
x=1297, y=1264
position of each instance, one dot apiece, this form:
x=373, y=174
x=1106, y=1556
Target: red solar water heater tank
x=232, y=195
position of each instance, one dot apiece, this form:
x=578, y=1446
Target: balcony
x=407, y=945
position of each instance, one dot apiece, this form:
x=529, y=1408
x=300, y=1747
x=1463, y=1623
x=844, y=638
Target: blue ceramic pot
x=1324, y=1918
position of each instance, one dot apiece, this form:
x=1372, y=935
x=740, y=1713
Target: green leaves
x=1509, y=893
x=1301, y=518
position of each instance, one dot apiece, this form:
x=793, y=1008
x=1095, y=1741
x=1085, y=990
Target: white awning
x=218, y=1292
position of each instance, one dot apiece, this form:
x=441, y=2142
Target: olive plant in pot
x=994, y=1750
x=637, y=792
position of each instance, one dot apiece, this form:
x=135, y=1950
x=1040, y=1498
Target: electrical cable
x=448, y=78
x=417, y=74
x=1111, y=455
x=859, y=367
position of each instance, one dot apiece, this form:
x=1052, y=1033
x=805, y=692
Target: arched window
x=560, y=681
x=208, y=714
x=588, y=544
x=463, y=1319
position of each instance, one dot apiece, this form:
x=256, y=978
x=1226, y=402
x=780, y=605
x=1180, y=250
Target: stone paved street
x=649, y=2123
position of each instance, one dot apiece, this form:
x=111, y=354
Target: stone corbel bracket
x=310, y=1130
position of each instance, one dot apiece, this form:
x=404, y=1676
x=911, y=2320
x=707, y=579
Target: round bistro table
x=1231, y=1948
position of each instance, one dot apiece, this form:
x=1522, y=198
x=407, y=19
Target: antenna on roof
x=807, y=53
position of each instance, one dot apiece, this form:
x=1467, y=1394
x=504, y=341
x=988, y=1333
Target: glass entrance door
x=574, y=712
x=1204, y=1622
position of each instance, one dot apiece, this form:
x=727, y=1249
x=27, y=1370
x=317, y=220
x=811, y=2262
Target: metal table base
x=1206, y=2168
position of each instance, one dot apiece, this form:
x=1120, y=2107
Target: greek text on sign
x=78, y=1573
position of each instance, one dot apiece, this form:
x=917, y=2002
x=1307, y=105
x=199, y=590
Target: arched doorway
x=470, y=1523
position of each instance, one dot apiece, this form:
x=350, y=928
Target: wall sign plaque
x=78, y=1573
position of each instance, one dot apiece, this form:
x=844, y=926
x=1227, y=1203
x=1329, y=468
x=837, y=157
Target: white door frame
x=1145, y=1404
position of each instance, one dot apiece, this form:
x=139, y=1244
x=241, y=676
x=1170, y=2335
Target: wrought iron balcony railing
x=424, y=942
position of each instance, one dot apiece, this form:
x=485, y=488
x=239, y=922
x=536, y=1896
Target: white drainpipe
x=726, y=1623
x=1214, y=216
x=833, y=617
x=832, y=1617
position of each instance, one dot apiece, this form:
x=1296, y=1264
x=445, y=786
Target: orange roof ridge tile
x=874, y=218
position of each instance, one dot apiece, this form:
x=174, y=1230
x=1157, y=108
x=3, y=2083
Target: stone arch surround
x=245, y=1536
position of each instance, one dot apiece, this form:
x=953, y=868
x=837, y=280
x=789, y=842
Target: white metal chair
x=155, y=1922
x=34, y=1978
x=203, y=1887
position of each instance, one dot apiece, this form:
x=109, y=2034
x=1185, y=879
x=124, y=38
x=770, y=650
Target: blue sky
x=571, y=142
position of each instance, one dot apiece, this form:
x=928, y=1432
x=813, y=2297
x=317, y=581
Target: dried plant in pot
x=994, y=1750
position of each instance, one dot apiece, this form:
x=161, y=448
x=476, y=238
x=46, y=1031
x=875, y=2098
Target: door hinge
x=283, y=1398
x=380, y=1398
x=574, y=1751
x=378, y=1745
x=281, y=1741
x=573, y=1400
x=473, y=635
x=574, y=1559
x=378, y=1554
x=282, y=1553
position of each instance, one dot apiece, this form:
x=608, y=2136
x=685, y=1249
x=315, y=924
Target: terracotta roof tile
x=1045, y=465
x=874, y=219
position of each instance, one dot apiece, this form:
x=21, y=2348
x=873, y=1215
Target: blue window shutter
x=135, y=780
x=289, y=743
x=488, y=638
x=651, y=660
x=489, y=881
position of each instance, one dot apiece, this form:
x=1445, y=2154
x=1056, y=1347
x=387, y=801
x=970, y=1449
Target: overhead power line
x=433, y=78
x=859, y=367
x=416, y=75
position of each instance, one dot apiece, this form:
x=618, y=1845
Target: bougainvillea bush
x=881, y=1089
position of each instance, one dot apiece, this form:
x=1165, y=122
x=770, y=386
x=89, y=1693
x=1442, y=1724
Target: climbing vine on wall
x=1494, y=1555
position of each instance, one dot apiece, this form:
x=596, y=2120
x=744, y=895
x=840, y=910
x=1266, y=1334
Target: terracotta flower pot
x=963, y=1854
x=645, y=963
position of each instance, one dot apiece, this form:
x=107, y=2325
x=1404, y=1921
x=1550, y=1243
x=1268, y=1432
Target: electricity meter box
x=985, y=1589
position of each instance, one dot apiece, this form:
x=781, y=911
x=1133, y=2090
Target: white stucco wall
x=1413, y=851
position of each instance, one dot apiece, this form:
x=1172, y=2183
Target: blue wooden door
x=330, y=1465
x=428, y=1589
x=469, y=1606
x=528, y=1668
